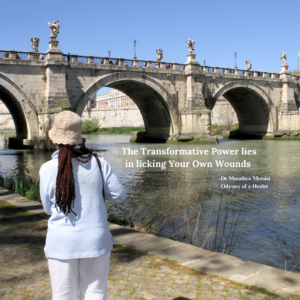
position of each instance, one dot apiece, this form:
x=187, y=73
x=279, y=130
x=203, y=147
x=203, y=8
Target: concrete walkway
x=134, y=274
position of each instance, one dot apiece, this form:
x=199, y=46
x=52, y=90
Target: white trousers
x=89, y=274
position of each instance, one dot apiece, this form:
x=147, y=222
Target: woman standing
x=73, y=186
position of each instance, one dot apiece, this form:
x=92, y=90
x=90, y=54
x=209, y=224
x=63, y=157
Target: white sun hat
x=66, y=129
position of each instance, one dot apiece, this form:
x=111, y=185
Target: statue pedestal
x=287, y=98
x=284, y=72
x=54, y=52
x=191, y=63
x=284, y=69
x=191, y=57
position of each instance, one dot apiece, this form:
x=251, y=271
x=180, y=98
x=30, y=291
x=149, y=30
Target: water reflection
x=272, y=213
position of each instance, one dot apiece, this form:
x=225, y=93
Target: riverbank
x=112, y=130
x=8, y=131
x=143, y=266
x=272, y=213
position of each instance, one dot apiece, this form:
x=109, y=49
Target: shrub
x=25, y=186
x=33, y=194
x=90, y=126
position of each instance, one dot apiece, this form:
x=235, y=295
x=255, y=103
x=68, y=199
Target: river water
x=178, y=193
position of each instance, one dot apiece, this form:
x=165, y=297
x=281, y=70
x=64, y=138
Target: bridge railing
x=10, y=54
x=22, y=55
x=122, y=62
x=234, y=71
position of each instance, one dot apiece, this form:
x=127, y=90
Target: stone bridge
x=174, y=99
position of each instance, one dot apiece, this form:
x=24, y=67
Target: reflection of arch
x=158, y=108
x=252, y=104
x=21, y=109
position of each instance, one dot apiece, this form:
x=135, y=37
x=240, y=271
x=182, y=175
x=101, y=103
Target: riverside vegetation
x=25, y=186
x=182, y=218
x=92, y=127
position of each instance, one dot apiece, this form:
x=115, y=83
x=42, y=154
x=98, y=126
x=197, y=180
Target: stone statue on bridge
x=283, y=58
x=249, y=65
x=191, y=45
x=159, y=54
x=54, y=29
x=35, y=44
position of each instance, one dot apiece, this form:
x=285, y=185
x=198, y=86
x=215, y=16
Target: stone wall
x=289, y=122
x=193, y=122
x=6, y=120
x=116, y=117
x=223, y=113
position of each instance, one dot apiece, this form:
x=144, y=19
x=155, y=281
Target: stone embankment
x=283, y=135
x=115, y=117
x=143, y=266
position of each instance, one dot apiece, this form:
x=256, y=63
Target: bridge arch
x=158, y=107
x=20, y=108
x=253, y=106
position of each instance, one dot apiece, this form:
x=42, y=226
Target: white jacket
x=87, y=234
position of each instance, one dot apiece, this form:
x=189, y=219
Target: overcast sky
x=258, y=30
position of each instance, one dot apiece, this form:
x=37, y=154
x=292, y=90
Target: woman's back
x=85, y=234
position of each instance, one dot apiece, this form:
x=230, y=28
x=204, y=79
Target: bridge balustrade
x=233, y=71
x=128, y=63
x=136, y=63
x=82, y=60
x=22, y=55
x=93, y=60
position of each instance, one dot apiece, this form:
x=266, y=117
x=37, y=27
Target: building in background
x=114, y=109
x=92, y=102
x=114, y=98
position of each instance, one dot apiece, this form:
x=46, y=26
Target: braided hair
x=65, y=182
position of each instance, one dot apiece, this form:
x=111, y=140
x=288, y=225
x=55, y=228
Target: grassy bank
x=119, y=130
x=283, y=138
x=190, y=142
x=133, y=140
x=92, y=127
x=218, y=129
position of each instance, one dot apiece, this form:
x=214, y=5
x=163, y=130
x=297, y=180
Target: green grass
x=284, y=138
x=190, y=142
x=258, y=290
x=133, y=140
x=218, y=129
x=234, y=127
x=120, y=130
x=166, y=259
x=92, y=127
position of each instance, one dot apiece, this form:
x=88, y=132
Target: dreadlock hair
x=65, y=182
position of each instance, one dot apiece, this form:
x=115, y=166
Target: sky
x=259, y=30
